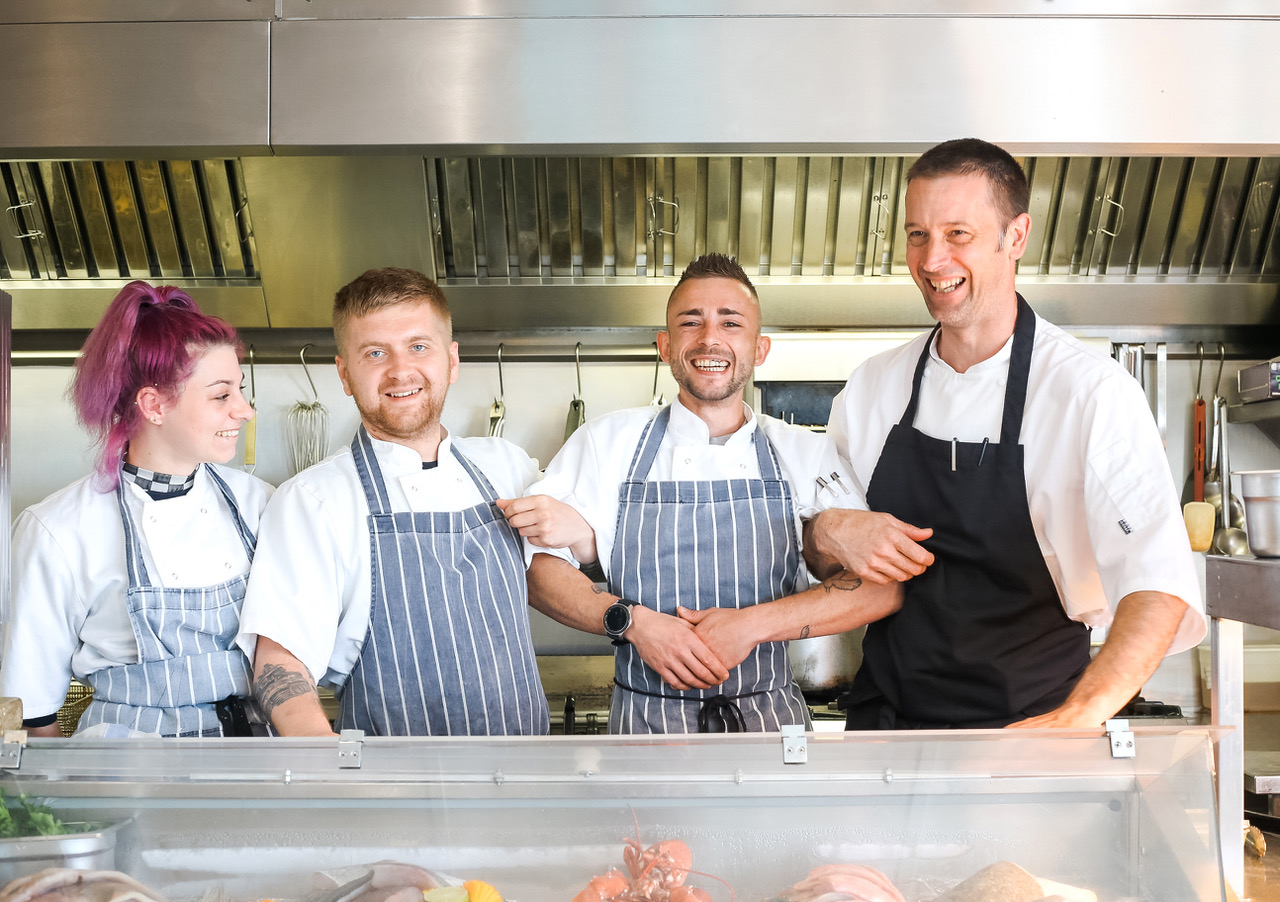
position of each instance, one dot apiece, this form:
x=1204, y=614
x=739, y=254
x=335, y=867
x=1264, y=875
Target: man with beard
x=388, y=570
x=696, y=510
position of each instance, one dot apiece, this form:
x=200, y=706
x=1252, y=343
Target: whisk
x=307, y=427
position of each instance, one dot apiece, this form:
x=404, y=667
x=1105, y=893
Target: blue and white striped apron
x=448, y=650
x=187, y=657
x=726, y=543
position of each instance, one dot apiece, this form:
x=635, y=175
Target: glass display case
x=539, y=817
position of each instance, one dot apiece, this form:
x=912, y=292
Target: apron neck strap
x=651, y=440
x=375, y=487
x=370, y=473
x=136, y=565
x=1015, y=392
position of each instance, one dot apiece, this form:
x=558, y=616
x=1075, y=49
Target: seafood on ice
x=655, y=874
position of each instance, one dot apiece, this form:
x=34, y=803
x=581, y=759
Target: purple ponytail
x=148, y=336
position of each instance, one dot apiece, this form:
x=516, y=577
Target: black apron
x=982, y=639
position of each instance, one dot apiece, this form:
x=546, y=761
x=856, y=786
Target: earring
x=155, y=420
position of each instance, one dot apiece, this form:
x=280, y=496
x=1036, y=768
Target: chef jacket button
x=175, y=577
x=687, y=460
x=204, y=510
x=742, y=466
x=227, y=565
x=413, y=488
x=153, y=519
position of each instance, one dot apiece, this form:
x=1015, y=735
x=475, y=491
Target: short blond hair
x=386, y=287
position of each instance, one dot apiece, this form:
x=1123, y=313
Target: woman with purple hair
x=131, y=578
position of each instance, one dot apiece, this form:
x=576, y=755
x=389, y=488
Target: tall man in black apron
x=694, y=511
x=1022, y=491
x=389, y=571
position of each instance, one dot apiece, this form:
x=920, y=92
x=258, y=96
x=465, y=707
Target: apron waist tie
x=724, y=708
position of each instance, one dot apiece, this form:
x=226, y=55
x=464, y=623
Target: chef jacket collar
x=399, y=460
x=687, y=428
x=998, y=360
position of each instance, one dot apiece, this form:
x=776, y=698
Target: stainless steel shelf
x=1263, y=414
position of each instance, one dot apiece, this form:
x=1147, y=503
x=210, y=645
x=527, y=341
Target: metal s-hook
x=502, y=392
x=253, y=382
x=1222, y=359
x=498, y=410
x=1200, y=371
x=302, y=355
x=577, y=365
x=658, y=400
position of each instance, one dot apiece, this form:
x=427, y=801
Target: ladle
x=1228, y=540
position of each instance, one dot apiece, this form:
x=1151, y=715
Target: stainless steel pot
x=825, y=666
x=1261, y=490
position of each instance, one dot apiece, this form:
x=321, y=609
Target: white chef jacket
x=1102, y=498
x=70, y=575
x=311, y=586
x=588, y=471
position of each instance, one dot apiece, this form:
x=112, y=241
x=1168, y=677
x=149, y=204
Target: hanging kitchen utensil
x=1196, y=514
x=307, y=426
x=1188, y=487
x=498, y=410
x=658, y=399
x=1162, y=392
x=1229, y=539
x=577, y=409
x=251, y=427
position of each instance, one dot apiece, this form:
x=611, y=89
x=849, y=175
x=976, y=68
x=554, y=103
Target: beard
x=407, y=423
x=686, y=377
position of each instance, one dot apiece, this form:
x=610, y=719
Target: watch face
x=617, y=617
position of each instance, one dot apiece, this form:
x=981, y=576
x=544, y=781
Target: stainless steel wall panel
x=21, y=11
x=27, y=217
x=1104, y=219
x=493, y=209
x=321, y=221
x=591, y=192
x=820, y=191
x=1044, y=175
x=898, y=234
x=383, y=96
x=1135, y=186
x=783, y=223
x=222, y=217
x=127, y=216
x=1193, y=214
x=525, y=186
x=18, y=260
x=691, y=236
x=189, y=211
x=559, y=226
x=64, y=224
x=75, y=304
x=1258, y=215
x=1225, y=215
x=1072, y=221
x=750, y=213
x=1161, y=216
x=624, y=216
x=720, y=207
x=97, y=225
x=153, y=194
x=460, y=226
x=98, y=90
x=853, y=216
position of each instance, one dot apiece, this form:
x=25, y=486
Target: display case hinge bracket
x=795, y=747
x=1121, y=738
x=12, y=742
x=350, y=744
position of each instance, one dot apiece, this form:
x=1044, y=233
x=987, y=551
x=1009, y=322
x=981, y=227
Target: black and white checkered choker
x=159, y=485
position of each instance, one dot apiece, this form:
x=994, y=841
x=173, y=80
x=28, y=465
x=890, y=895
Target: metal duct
x=586, y=217
x=113, y=219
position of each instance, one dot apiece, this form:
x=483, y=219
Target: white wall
x=49, y=450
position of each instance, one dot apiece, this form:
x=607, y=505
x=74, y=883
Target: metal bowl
x=1261, y=491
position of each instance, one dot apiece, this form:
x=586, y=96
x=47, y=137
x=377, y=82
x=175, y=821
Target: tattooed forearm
x=275, y=686
x=804, y=633
x=841, y=582
x=598, y=589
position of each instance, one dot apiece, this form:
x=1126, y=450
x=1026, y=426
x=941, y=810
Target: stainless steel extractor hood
x=556, y=165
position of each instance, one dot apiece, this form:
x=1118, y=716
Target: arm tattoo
x=597, y=589
x=804, y=633
x=841, y=582
x=275, y=685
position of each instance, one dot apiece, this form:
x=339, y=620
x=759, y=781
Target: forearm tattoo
x=841, y=582
x=275, y=686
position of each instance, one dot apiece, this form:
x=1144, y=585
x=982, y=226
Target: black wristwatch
x=617, y=620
